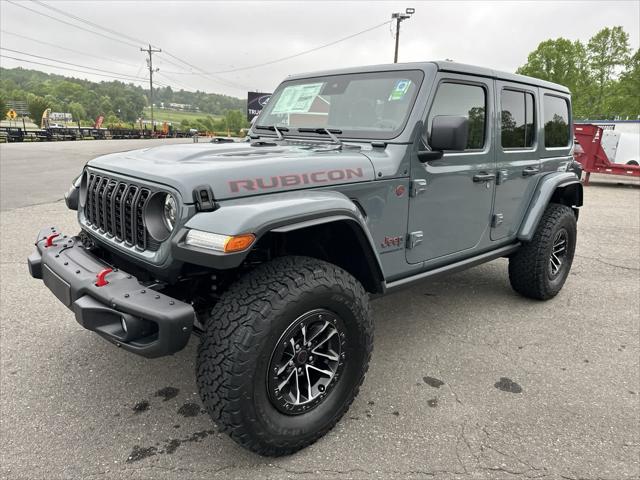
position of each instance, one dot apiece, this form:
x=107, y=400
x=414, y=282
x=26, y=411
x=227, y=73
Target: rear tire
x=249, y=337
x=539, y=269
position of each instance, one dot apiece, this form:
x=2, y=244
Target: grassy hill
x=175, y=116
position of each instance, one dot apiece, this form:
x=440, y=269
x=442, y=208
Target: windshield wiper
x=273, y=128
x=324, y=131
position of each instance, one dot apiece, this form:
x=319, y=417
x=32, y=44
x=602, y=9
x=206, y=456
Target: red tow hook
x=49, y=240
x=101, y=282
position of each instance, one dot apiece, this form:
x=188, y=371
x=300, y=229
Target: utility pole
x=399, y=18
x=151, y=51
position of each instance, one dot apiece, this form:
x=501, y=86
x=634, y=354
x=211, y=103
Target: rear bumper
x=123, y=311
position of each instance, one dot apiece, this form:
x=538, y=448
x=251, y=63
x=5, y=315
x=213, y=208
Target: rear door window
x=517, y=119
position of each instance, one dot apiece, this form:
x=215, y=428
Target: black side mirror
x=448, y=132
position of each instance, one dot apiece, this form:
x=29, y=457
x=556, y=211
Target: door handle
x=484, y=177
x=527, y=172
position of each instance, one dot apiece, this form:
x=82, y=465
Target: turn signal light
x=219, y=243
x=239, y=243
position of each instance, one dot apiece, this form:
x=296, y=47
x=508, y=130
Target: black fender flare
x=276, y=213
x=562, y=187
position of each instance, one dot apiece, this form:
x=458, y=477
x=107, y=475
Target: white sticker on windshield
x=297, y=98
x=400, y=90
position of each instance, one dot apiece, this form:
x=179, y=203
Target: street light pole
x=399, y=18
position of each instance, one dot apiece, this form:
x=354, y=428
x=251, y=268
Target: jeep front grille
x=116, y=209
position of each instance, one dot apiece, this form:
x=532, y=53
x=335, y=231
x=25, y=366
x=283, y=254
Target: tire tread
x=528, y=267
x=227, y=353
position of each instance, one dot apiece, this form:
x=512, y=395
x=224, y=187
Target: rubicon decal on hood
x=296, y=179
x=235, y=170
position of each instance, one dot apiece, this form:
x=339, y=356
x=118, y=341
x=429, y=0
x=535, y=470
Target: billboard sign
x=60, y=117
x=255, y=103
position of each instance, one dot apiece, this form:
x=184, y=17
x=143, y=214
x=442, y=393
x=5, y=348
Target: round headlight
x=170, y=212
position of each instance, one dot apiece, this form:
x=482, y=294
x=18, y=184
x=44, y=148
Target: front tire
x=254, y=372
x=539, y=269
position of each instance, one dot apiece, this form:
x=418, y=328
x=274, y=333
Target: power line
x=72, y=64
x=200, y=72
x=175, y=83
x=114, y=60
x=170, y=62
x=288, y=57
x=87, y=22
x=95, y=25
x=72, y=24
x=70, y=69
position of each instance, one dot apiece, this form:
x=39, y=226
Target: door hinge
x=414, y=239
x=416, y=187
x=503, y=175
x=497, y=219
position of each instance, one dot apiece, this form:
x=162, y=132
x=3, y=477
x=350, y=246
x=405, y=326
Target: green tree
x=3, y=108
x=103, y=98
x=608, y=54
x=77, y=111
x=235, y=120
x=106, y=107
x=112, y=121
x=564, y=62
x=208, y=122
x=603, y=76
x=625, y=100
x=37, y=105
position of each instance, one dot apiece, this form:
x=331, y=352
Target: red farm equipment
x=592, y=157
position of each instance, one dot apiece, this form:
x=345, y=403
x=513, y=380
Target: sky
x=218, y=36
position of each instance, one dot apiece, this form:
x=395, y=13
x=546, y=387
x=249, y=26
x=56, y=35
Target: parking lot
x=467, y=380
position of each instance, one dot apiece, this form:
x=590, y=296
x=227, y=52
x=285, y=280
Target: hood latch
x=203, y=196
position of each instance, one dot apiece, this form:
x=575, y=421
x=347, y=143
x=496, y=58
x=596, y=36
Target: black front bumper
x=156, y=324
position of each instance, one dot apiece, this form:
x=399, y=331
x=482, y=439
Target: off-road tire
x=529, y=267
x=239, y=338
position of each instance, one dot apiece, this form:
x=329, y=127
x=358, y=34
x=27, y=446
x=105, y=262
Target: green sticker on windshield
x=400, y=90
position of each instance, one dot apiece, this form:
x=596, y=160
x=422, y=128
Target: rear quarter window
x=556, y=121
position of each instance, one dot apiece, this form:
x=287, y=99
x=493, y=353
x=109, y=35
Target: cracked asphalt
x=467, y=380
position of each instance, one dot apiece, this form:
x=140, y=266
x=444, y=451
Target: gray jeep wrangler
x=353, y=183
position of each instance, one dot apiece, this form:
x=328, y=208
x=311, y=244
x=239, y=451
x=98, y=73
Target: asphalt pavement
x=40, y=172
x=467, y=379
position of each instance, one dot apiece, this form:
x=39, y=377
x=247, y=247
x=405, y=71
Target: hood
x=237, y=170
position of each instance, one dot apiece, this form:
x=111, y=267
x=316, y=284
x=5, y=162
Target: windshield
x=362, y=105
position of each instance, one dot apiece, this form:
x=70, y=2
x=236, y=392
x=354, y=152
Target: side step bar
x=452, y=268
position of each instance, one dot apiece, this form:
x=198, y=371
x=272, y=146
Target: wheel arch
x=558, y=187
x=322, y=224
x=338, y=239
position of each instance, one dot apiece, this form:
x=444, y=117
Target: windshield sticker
x=400, y=90
x=297, y=98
